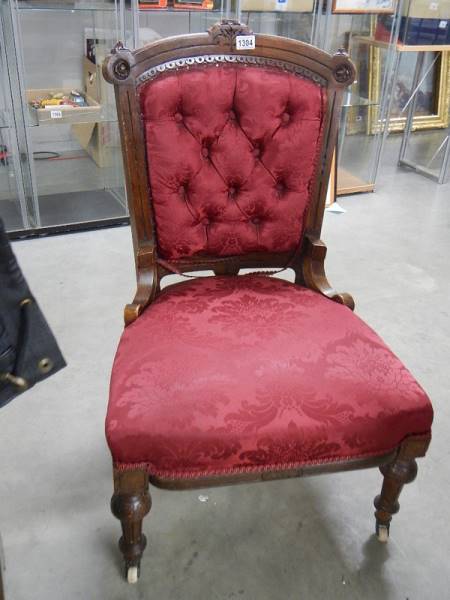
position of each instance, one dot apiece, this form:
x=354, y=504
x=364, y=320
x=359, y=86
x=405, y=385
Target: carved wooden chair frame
x=127, y=70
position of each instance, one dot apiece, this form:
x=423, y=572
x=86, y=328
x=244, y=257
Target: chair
x=235, y=378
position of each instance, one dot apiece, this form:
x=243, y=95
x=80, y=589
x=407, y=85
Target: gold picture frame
x=439, y=119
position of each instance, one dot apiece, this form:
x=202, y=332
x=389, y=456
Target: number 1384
x=245, y=42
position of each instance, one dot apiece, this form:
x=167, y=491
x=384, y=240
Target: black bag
x=28, y=349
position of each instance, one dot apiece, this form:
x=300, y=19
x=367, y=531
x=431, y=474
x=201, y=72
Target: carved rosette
x=117, y=66
x=225, y=32
x=344, y=71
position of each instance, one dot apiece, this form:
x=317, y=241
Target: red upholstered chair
x=230, y=378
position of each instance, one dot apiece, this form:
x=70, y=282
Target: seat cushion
x=226, y=374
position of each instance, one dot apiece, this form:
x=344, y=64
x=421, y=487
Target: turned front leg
x=130, y=503
x=396, y=475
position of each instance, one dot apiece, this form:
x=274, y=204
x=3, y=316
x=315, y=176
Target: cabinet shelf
x=277, y=12
x=52, y=122
x=401, y=47
x=352, y=100
x=31, y=5
x=349, y=183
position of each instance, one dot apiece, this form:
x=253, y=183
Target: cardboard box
x=278, y=5
x=92, y=79
x=425, y=22
x=62, y=113
x=99, y=140
x=97, y=44
x=427, y=9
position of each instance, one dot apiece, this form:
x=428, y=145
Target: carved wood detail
x=130, y=503
x=396, y=474
x=344, y=71
x=225, y=32
x=118, y=68
x=312, y=274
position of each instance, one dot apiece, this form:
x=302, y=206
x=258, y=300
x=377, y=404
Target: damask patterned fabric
x=232, y=152
x=230, y=374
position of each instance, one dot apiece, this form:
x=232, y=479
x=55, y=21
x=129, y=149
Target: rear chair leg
x=130, y=503
x=396, y=474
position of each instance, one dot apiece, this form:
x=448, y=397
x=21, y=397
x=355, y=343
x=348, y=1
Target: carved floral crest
x=225, y=32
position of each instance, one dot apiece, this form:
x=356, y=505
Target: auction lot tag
x=245, y=42
x=56, y=114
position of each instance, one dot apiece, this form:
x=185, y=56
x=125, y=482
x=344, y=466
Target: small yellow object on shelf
x=51, y=102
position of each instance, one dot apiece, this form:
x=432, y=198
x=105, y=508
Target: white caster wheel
x=382, y=533
x=132, y=574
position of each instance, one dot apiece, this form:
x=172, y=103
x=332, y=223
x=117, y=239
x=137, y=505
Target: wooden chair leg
x=130, y=503
x=396, y=474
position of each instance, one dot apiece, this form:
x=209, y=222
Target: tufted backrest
x=232, y=152
x=227, y=140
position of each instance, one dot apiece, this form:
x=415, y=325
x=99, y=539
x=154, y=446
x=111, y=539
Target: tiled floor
x=298, y=539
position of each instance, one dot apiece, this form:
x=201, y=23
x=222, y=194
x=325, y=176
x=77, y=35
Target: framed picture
x=433, y=98
x=363, y=6
x=433, y=101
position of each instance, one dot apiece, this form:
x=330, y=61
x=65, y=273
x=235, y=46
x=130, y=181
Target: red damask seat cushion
x=231, y=374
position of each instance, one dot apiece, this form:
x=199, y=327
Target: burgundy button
x=178, y=117
x=232, y=191
x=205, y=221
x=181, y=190
x=205, y=152
x=255, y=220
x=280, y=187
x=256, y=152
x=232, y=115
x=285, y=117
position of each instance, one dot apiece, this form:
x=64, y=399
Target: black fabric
x=28, y=349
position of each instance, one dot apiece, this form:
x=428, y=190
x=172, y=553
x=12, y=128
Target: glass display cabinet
x=60, y=156
x=16, y=198
x=424, y=42
x=366, y=108
x=64, y=166
x=409, y=51
x=154, y=22
x=428, y=153
x=295, y=19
